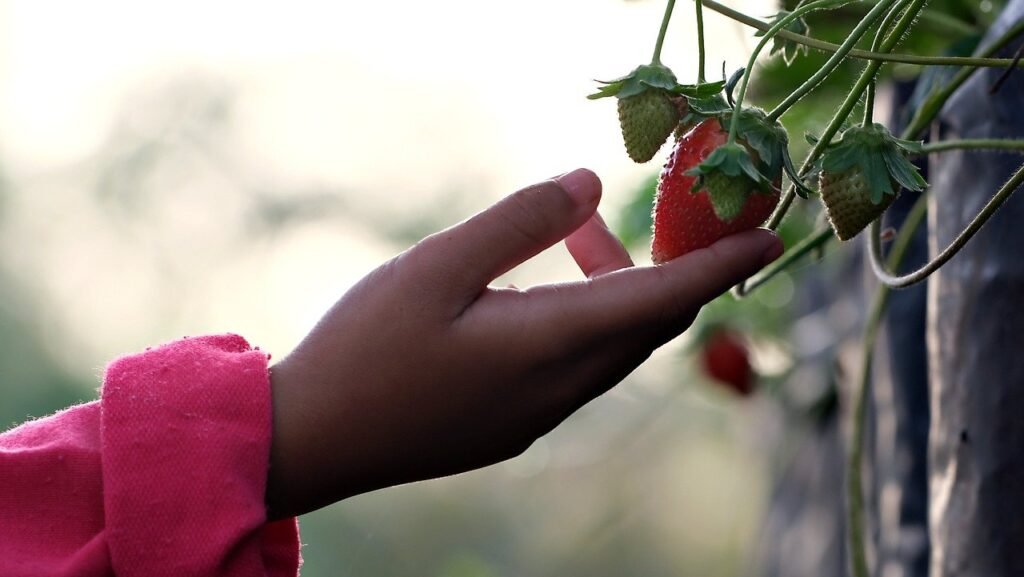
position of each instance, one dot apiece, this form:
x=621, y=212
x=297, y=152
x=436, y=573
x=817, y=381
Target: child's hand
x=422, y=370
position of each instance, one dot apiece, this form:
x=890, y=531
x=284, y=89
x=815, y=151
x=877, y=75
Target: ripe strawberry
x=862, y=173
x=647, y=120
x=684, y=220
x=725, y=358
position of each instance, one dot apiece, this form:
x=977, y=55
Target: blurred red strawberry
x=726, y=359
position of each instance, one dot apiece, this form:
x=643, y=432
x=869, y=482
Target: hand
x=422, y=370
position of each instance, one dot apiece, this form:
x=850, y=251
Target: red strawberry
x=725, y=359
x=685, y=221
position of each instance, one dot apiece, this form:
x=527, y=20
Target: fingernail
x=774, y=250
x=582, y=185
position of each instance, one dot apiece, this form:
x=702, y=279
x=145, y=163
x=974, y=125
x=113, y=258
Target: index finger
x=662, y=299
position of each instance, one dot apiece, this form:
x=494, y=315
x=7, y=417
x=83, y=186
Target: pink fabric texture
x=164, y=476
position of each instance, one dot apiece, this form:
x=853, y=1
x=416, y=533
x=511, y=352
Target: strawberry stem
x=852, y=98
x=817, y=5
x=700, y=41
x=656, y=59
x=902, y=281
x=974, y=144
x=869, y=96
x=807, y=245
x=978, y=62
x=835, y=60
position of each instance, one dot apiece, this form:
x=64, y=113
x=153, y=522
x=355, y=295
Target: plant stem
x=869, y=96
x=656, y=59
x=978, y=62
x=792, y=255
x=855, y=493
x=902, y=281
x=817, y=5
x=974, y=144
x=700, y=41
x=866, y=77
x=834, y=61
x=930, y=108
x=840, y=116
x=939, y=22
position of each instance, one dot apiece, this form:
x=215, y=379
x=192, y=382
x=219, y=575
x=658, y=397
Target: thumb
x=515, y=229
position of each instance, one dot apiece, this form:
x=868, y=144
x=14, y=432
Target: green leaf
x=789, y=49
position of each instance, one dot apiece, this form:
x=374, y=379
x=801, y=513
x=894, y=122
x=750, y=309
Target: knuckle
x=530, y=212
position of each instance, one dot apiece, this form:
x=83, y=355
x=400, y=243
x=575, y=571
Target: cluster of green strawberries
x=721, y=179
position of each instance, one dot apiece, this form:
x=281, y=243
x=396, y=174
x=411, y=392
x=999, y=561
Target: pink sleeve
x=164, y=476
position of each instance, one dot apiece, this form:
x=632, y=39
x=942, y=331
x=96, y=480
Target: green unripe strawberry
x=651, y=104
x=862, y=173
x=848, y=203
x=647, y=120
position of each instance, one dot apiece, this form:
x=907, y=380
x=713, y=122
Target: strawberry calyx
x=733, y=171
x=650, y=104
x=879, y=157
x=648, y=76
x=729, y=175
x=699, y=110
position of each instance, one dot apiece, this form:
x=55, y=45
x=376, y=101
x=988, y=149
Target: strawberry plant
x=731, y=167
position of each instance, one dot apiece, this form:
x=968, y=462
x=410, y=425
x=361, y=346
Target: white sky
x=387, y=96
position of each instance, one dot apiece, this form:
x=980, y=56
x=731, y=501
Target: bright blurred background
x=192, y=167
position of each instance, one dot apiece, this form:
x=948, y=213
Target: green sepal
x=789, y=49
x=731, y=83
x=728, y=195
x=768, y=139
x=881, y=158
x=729, y=176
x=700, y=91
x=637, y=81
x=801, y=188
x=702, y=108
x=730, y=159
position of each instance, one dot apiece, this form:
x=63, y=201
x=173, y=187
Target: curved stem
x=700, y=41
x=869, y=96
x=808, y=244
x=840, y=116
x=909, y=279
x=933, y=104
x=938, y=22
x=974, y=144
x=656, y=59
x=782, y=23
x=837, y=58
x=866, y=77
x=977, y=62
x=855, y=492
